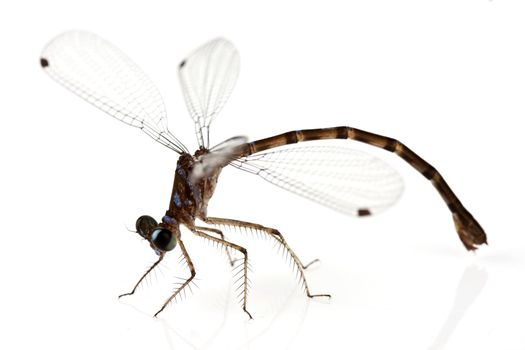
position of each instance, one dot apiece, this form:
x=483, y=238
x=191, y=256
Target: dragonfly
x=300, y=161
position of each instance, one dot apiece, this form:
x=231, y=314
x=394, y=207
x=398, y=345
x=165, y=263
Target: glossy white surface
x=447, y=79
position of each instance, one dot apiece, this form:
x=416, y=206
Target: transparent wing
x=218, y=157
x=101, y=74
x=349, y=181
x=207, y=77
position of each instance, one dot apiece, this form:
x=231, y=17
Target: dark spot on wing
x=363, y=212
x=44, y=62
x=182, y=64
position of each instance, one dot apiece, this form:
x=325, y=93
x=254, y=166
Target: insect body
x=300, y=161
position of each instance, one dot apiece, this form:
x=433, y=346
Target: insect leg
x=279, y=238
x=243, y=250
x=161, y=256
x=221, y=235
x=182, y=286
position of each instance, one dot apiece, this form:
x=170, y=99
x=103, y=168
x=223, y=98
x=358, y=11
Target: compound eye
x=145, y=225
x=163, y=239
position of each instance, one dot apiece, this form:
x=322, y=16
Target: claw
x=310, y=264
x=319, y=296
x=249, y=314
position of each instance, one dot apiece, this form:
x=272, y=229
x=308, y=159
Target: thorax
x=190, y=196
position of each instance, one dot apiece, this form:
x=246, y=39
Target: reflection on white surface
x=284, y=321
x=247, y=333
x=470, y=286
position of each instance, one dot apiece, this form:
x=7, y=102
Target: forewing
x=101, y=74
x=207, y=77
x=341, y=178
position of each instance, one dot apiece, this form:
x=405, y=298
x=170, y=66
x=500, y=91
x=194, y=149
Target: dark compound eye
x=163, y=239
x=145, y=225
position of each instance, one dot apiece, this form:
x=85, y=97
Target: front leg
x=161, y=256
x=182, y=286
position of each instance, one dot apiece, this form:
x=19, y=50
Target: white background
x=447, y=78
